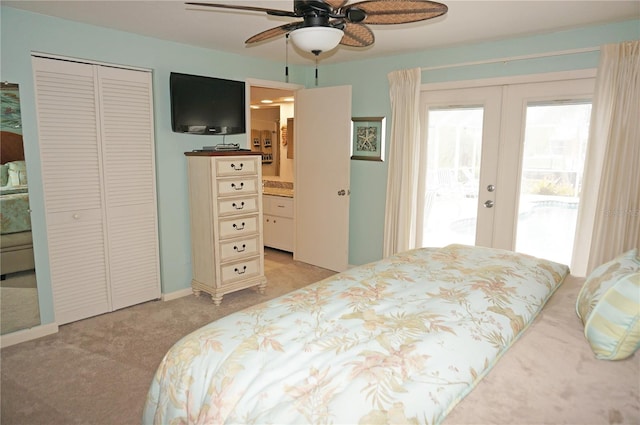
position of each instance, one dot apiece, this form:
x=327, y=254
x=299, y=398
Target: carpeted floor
x=98, y=370
x=19, y=302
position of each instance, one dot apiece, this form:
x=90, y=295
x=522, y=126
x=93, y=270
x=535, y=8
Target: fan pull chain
x=286, y=58
x=316, y=70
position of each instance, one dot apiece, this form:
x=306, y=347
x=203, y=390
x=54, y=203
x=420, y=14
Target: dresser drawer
x=239, y=248
x=237, y=166
x=238, y=226
x=237, y=186
x=240, y=270
x=242, y=205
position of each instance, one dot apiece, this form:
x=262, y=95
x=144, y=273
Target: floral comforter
x=14, y=210
x=401, y=340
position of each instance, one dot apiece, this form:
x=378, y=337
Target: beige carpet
x=98, y=371
x=19, y=302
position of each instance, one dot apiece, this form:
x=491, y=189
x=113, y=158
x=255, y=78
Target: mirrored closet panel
x=18, y=287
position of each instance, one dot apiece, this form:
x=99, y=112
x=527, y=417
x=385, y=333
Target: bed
x=401, y=340
x=16, y=243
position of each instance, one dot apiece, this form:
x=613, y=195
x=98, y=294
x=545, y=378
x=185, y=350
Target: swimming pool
x=546, y=226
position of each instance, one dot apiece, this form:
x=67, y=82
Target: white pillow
x=17, y=173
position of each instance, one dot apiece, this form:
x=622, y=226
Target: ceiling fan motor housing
x=302, y=7
x=314, y=13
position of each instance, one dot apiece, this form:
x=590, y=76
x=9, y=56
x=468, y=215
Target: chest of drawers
x=225, y=208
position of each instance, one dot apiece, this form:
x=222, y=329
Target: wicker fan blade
x=274, y=12
x=384, y=12
x=357, y=35
x=274, y=32
x=336, y=4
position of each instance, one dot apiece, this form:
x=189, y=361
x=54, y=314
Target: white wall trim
x=273, y=84
x=28, y=334
x=515, y=79
x=177, y=294
x=513, y=58
x=88, y=61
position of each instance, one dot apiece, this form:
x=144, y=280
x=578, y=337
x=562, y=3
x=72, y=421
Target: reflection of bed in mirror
x=16, y=248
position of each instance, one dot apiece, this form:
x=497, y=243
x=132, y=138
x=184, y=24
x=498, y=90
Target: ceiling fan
x=327, y=23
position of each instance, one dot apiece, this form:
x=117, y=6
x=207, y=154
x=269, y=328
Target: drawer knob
x=236, y=249
x=237, y=167
x=235, y=226
x=240, y=187
x=238, y=271
x=238, y=207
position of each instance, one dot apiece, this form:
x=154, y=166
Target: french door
x=504, y=165
x=460, y=167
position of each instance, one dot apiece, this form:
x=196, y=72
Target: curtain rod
x=514, y=58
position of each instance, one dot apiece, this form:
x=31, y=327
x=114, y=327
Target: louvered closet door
x=71, y=168
x=129, y=181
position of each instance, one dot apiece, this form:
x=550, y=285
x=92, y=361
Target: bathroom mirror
x=270, y=110
x=18, y=284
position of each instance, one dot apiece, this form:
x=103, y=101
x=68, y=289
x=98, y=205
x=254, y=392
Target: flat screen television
x=206, y=105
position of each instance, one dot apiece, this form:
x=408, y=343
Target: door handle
x=488, y=204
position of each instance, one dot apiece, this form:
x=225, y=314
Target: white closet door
x=71, y=168
x=129, y=181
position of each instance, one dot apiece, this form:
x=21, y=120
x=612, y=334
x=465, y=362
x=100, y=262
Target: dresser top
x=222, y=153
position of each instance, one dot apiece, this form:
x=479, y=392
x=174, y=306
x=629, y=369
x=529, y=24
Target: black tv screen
x=206, y=105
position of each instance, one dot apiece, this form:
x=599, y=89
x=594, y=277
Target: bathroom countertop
x=278, y=191
x=277, y=188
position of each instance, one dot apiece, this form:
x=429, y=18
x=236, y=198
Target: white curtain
x=609, y=216
x=404, y=158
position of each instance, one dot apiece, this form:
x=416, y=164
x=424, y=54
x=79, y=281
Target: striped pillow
x=609, y=306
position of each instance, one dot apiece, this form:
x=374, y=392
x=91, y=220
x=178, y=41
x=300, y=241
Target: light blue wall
x=23, y=32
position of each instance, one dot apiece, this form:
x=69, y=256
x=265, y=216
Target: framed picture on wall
x=367, y=138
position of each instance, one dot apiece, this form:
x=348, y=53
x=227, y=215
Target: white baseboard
x=177, y=294
x=28, y=334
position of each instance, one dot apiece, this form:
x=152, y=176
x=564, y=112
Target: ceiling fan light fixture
x=316, y=39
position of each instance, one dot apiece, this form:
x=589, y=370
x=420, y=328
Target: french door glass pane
x=555, y=144
x=454, y=147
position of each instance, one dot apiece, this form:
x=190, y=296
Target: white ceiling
x=466, y=22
